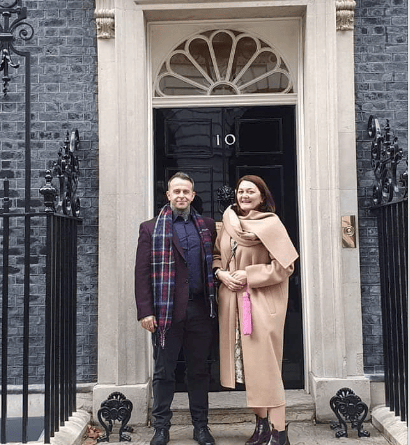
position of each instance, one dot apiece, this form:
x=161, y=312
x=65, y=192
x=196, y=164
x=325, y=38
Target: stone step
x=230, y=407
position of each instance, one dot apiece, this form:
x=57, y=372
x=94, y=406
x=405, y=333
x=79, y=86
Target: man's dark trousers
x=194, y=333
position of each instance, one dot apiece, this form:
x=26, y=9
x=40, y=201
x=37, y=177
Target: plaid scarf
x=163, y=267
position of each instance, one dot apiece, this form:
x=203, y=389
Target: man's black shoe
x=161, y=437
x=203, y=436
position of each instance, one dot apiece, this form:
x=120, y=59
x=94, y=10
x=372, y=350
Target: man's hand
x=149, y=323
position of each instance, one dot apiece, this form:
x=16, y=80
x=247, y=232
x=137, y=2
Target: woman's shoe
x=262, y=432
x=279, y=437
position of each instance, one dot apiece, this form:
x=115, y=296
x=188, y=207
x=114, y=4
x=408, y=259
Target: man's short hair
x=181, y=175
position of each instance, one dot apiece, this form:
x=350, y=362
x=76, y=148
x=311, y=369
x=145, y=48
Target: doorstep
x=230, y=407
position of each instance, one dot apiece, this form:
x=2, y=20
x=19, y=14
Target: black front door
x=216, y=146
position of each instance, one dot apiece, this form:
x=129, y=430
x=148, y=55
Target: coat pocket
x=269, y=296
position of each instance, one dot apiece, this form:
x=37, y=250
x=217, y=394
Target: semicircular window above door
x=223, y=62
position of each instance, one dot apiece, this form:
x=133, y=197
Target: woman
x=253, y=253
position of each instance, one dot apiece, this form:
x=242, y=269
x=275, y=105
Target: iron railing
x=391, y=207
x=60, y=322
x=38, y=318
x=46, y=244
x=392, y=225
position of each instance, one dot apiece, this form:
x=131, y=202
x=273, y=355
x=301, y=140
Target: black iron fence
x=391, y=207
x=60, y=328
x=392, y=226
x=39, y=268
x=39, y=250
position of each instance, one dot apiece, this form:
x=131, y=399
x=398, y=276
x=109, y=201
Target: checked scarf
x=163, y=267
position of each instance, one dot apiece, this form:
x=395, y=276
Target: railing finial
x=49, y=193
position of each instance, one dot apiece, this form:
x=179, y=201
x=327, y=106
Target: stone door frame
x=326, y=178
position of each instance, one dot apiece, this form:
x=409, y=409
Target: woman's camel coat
x=268, y=261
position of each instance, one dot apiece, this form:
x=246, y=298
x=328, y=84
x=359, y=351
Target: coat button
x=186, y=281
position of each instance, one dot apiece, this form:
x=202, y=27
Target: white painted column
x=123, y=352
x=348, y=196
x=333, y=289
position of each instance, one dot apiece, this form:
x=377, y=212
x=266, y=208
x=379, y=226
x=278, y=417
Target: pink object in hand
x=246, y=313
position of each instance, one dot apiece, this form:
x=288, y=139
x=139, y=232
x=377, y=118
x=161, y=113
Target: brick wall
x=63, y=85
x=381, y=64
x=63, y=52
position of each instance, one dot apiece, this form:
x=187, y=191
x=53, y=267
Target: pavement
x=300, y=433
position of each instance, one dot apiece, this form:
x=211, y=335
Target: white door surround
x=134, y=37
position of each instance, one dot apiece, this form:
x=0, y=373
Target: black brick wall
x=63, y=52
x=63, y=85
x=381, y=64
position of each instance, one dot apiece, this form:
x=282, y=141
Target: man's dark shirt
x=191, y=244
x=143, y=272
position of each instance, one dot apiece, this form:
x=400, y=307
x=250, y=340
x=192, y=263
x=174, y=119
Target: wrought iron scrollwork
x=386, y=155
x=225, y=196
x=67, y=170
x=404, y=178
x=8, y=29
x=347, y=404
x=116, y=407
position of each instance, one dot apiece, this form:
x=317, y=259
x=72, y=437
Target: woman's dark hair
x=268, y=203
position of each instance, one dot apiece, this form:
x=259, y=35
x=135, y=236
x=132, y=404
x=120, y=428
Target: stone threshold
x=231, y=407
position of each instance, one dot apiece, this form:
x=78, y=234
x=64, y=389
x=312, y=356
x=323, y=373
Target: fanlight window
x=223, y=62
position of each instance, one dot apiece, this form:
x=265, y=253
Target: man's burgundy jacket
x=143, y=287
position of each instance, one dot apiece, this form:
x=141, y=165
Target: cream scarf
x=261, y=227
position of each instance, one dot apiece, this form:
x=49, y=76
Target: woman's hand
x=241, y=276
x=232, y=282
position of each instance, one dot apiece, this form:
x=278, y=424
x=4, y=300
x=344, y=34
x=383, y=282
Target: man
x=175, y=296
